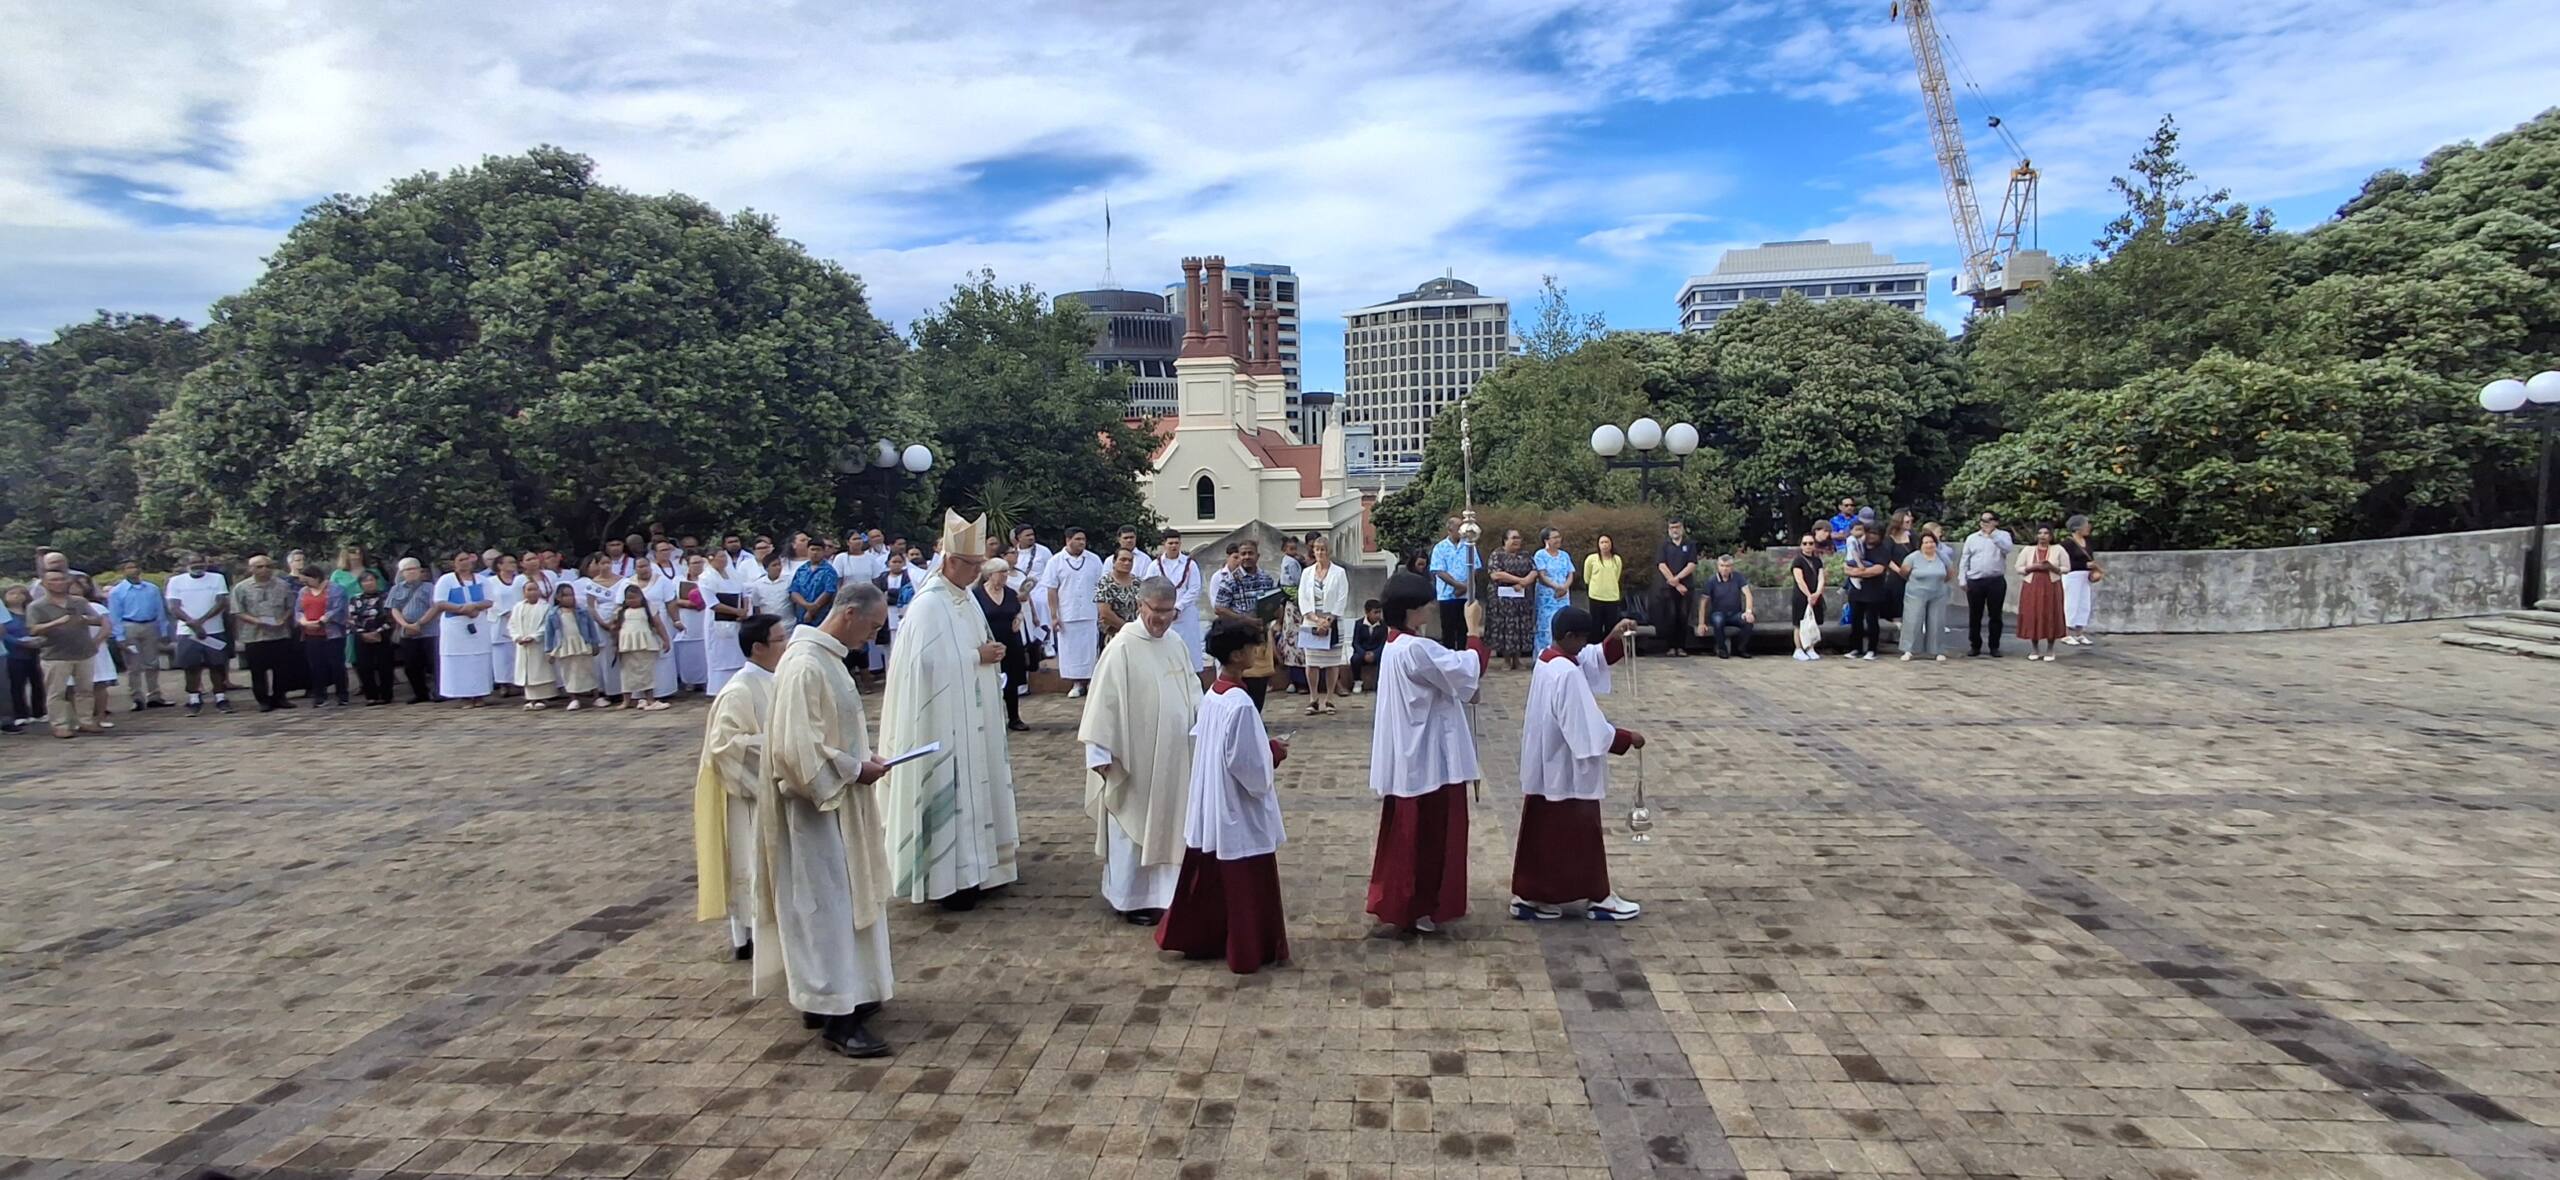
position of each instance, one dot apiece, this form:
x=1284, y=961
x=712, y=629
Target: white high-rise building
x=1818, y=269
x=1409, y=358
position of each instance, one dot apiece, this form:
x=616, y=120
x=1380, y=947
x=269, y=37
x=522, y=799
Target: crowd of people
x=1892, y=570
x=804, y=829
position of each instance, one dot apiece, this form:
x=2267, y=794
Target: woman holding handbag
x=1324, y=597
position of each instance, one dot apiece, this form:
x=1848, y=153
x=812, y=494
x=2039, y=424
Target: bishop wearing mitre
x=822, y=885
x=1137, y=740
x=950, y=815
x=724, y=784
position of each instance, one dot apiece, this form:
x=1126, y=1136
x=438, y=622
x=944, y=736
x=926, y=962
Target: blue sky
x=159, y=149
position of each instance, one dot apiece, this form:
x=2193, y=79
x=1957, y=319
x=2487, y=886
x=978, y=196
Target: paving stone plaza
x=2282, y=905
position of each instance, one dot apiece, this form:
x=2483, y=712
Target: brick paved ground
x=2281, y=906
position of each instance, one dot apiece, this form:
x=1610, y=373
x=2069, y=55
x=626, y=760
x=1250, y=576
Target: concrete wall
x=2398, y=580
x=2306, y=587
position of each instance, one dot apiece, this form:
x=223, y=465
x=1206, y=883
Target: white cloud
x=1368, y=145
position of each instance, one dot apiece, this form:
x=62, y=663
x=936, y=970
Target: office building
x=1409, y=358
x=1312, y=412
x=1819, y=269
x=1135, y=334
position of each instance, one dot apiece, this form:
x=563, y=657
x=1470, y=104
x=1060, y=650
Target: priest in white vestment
x=1031, y=581
x=1565, y=747
x=724, y=791
x=1074, y=575
x=1137, y=740
x=822, y=885
x=950, y=816
x=1228, y=900
x=1422, y=755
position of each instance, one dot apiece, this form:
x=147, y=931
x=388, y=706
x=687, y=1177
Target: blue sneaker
x=1533, y=912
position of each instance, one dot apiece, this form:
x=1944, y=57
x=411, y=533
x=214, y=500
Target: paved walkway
x=2280, y=906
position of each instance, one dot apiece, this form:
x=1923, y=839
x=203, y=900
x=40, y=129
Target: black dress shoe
x=746, y=950
x=961, y=902
x=812, y=1020
x=138, y=706
x=157, y=703
x=1017, y=727
x=1142, y=917
x=285, y=705
x=848, y=1035
x=863, y=1011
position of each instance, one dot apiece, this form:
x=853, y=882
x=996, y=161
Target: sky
x=154, y=151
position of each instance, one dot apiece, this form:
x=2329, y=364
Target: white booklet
x=927, y=749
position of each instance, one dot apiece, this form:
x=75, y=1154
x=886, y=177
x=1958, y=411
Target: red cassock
x=1420, y=870
x=1228, y=908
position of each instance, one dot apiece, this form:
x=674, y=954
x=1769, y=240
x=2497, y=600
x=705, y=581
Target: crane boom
x=1954, y=168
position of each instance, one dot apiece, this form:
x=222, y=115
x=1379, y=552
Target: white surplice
x=1137, y=723
x=821, y=883
x=1564, y=744
x=724, y=803
x=949, y=818
x=497, y=623
x=1234, y=810
x=1421, y=742
x=1185, y=575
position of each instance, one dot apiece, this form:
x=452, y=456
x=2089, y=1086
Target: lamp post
x=2538, y=401
x=1645, y=435
x=889, y=469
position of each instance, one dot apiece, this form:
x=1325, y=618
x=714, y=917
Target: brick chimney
x=1195, y=333
x=1214, y=309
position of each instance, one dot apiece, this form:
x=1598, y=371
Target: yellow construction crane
x=2001, y=267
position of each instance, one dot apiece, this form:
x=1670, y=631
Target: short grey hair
x=2077, y=522
x=861, y=597
x=407, y=564
x=1155, y=589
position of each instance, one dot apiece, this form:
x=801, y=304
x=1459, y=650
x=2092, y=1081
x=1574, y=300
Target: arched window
x=1204, y=499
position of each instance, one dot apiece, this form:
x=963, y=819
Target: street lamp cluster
x=2538, y=397
x=1610, y=442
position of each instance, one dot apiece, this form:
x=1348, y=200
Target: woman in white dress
x=730, y=604
x=463, y=671
x=1324, y=634
x=506, y=588
x=661, y=595
x=692, y=624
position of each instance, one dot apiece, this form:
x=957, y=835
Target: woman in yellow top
x=1600, y=580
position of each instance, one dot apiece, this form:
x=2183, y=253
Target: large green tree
x=2425, y=286
x=1027, y=429
x=70, y=410
x=515, y=351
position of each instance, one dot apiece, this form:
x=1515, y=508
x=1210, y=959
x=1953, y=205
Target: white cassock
x=463, y=668
x=692, y=650
x=1234, y=812
x=821, y=883
x=1137, y=723
x=724, y=803
x=1076, y=576
x=721, y=658
x=661, y=593
x=1421, y=742
x=1184, y=573
x=500, y=627
x=950, y=817
x=596, y=595
x=1564, y=749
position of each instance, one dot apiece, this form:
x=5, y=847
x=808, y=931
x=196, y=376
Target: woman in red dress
x=2040, y=603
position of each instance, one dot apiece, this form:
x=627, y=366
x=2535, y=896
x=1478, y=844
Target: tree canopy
x=1031, y=432
x=501, y=352
x=69, y=411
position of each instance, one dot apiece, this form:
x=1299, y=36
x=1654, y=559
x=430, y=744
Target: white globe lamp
x=1644, y=434
x=1682, y=438
x=2501, y=397
x=1608, y=441
x=884, y=454
x=917, y=460
x=2543, y=388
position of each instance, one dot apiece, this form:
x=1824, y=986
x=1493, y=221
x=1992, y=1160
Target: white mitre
x=963, y=538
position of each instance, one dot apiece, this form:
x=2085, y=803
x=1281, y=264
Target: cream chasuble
x=950, y=817
x=821, y=885
x=1138, y=715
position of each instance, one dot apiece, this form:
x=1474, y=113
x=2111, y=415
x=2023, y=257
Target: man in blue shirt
x=140, y=617
x=813, y=589
x=1840, y=521
x=1453, y=574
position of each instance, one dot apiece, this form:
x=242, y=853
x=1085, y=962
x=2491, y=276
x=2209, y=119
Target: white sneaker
x=1813, y=655
x=1868, y=656
x=1614, y=908
x=1075, y=692
x=1942, y=657
x=1528, y=911
x=1799, y=655
x=1906, y=657
x=1424, y=925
